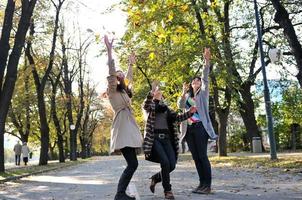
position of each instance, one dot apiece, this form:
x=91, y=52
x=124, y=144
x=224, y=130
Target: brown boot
x=169, y=195
x=202, y=190
x=198, y=189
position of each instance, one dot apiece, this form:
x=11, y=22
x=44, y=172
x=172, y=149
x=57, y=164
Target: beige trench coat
x=124, y=130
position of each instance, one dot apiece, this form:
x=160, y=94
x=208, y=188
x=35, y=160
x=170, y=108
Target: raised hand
x=207, y=55
x=154, y=86
x=108, y=44
x=185, y=88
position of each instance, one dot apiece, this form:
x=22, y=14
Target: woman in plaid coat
x=161, y=137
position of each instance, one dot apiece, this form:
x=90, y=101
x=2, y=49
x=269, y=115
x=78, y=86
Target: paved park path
x=97, y=180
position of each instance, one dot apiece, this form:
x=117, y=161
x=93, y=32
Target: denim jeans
x=197, y=139
x=162, y=149
x=17, y=159
x=132, y=163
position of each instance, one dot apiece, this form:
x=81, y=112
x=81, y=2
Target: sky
x=92, y=15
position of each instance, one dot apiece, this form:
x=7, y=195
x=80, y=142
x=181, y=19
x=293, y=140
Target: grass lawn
x=286, y=161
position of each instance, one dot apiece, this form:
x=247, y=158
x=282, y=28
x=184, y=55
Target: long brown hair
x=122, y=87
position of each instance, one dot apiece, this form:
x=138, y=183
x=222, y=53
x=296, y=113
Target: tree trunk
x=68, y=95
x=282, y=18
x=55, y=117
x=5, y=36
x=247, y=112
x=11, y=75
x=222, y=139
x=61, y=148
x=44, y=129
x=294, y=135
x=40, y=86
x=83, y=147
x=27, y=105
x=2, y=131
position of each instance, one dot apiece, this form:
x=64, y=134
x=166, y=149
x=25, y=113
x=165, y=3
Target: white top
x=25, y=151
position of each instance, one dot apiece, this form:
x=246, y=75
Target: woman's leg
x=170, y=154
x=203, y=160
x=197, y=140
x=159, y=151
x=132, y=163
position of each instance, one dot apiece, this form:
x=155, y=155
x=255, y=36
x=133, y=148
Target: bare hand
x=108, y=43
x=132, y=59
x=154, y=86
x=207, y=54
x=185, y=88
x=193, y=109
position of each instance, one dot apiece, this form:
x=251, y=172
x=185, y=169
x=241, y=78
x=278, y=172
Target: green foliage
x=236, y=141
x=287, y=112
x=168, y=45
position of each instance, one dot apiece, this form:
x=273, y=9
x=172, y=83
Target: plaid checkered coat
x=173, y=118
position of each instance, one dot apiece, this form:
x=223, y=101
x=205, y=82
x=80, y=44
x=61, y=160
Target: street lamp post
x=73, y=154
x=266, y=89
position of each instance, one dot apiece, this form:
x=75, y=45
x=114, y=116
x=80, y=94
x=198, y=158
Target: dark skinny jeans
x=197, y=139
x=132, y=163
x=17, y=159
x=162, y=149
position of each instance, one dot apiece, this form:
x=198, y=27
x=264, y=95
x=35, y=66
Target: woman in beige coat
x=125, y=134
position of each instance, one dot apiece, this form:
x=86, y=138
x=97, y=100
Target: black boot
x=154, y=180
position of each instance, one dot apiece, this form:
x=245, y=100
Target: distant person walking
x=17, y=150
x=25, y=153
x=125, y=134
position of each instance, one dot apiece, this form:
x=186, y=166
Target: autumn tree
x=9, y=59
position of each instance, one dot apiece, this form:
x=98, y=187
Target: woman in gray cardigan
x=198, y=129
x=125, y=134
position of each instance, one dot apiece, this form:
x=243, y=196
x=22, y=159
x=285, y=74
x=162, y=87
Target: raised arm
x=111, y=65
x=181, y=102
x=148, y=101
x=112, y=80
x=131, y=62
x=206, y=71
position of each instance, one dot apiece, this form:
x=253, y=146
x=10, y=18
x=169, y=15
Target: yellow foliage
x=180, y=29
x=184, y=8
x=170, y=17
x=97, y=38
x=134, y=15
x=152, y=56
x=175, y=39
x=161, y=36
